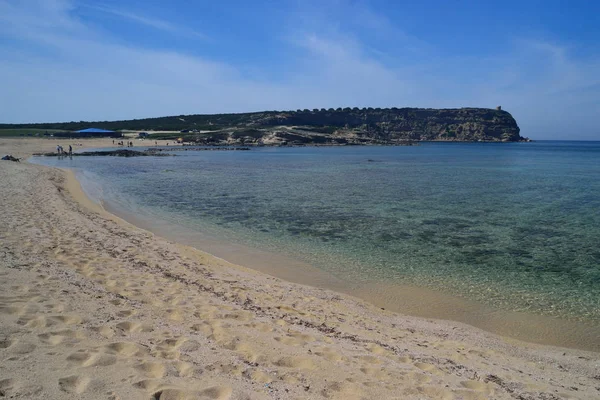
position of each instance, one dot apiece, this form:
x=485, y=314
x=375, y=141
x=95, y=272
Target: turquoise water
x=514, y=226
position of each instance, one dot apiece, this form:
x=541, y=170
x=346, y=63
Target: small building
x=143, y=135
x=96, y=132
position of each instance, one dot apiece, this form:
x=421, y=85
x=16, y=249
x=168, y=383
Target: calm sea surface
x=513, y=226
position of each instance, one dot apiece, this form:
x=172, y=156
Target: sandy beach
x=92, y=307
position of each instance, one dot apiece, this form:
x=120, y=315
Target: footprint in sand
x=54, y=338
x=25, y=310
x=216, y=393
x=80, y=358
x=260, y=326
x=104, y=331
x=377, y=349
x=21, y=347
x=38, y=322
x=245, y=349
x=133, y=327
x=51, y=339
x=296, y=339
x=7, y=386
x=172, y=394
x=55, y=308
x=175, y=315
x=424, y=366
x=103, y=360
x=126, y=313
x=169, y=348
x=298, y=362
x=67, y=319
x=125, y=349
x=151, y=369
x=243, y=316
x=291, y=379
x=183, y=369
x=228, y=369
x=258, y=376
x=73, y=384
x=149, y=385
x=369, y=360
x=418, y=377
x=86, y=359
x=328, y=354
x=343, y=391
x=377, y=373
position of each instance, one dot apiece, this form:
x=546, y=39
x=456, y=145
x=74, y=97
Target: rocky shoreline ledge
x=113, y=153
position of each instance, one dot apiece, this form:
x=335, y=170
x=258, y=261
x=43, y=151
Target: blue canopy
x=94, y=130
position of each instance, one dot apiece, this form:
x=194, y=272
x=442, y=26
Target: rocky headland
x=341, y=126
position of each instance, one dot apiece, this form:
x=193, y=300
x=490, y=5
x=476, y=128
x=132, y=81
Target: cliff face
x=465, y=124
x=323, y=126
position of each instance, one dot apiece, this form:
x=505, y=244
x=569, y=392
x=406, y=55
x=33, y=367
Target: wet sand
x=93, y=307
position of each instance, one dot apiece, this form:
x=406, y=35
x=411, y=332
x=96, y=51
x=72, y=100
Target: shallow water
x=512, y=226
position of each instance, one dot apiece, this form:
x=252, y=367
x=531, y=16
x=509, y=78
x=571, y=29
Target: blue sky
x=64, y=60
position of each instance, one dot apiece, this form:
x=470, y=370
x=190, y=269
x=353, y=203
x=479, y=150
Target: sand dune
x=92, y=307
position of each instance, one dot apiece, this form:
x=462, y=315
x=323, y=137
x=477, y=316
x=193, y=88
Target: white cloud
x=155, y=23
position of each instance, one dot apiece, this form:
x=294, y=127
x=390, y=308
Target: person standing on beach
x=70, y=150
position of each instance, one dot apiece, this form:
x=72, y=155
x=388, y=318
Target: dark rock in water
x=114, y=153
x=205, y=148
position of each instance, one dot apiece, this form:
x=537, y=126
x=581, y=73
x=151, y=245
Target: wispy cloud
x=152, y=22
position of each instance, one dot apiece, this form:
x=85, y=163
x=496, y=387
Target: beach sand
x=92, y=307
x=25, y=147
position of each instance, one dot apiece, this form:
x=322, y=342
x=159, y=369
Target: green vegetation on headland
x=319, y=126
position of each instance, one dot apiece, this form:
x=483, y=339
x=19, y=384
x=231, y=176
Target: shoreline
x=403, y=299
x=95, y=307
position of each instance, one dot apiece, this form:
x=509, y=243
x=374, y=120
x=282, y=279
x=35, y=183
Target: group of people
x=121, y=143
x=60, y=150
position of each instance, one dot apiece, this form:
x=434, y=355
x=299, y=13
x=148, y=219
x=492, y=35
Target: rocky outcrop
x=365, y=126
x=392, y=124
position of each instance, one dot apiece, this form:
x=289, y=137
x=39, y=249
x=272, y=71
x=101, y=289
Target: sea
x=512, y=227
